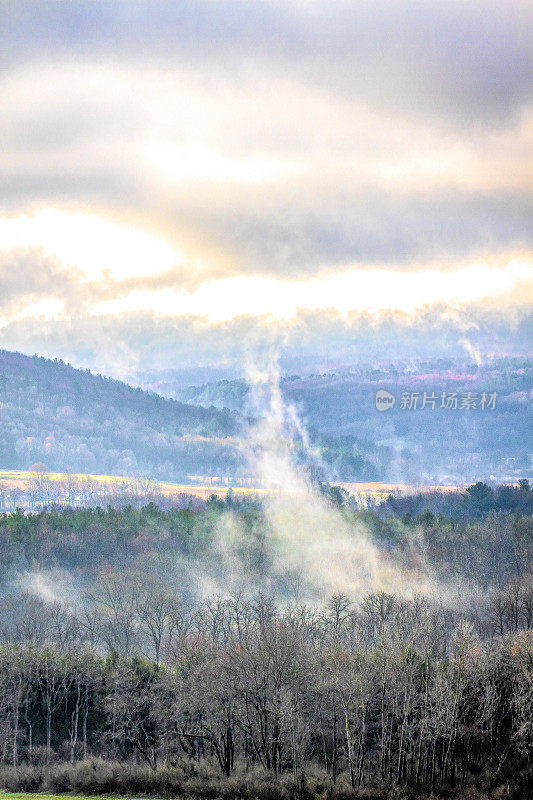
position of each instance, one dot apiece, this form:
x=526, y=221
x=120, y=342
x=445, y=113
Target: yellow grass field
x=203, y=490
x=20, y=478
x=380, y=490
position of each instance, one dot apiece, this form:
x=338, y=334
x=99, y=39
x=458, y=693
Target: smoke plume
x=312, y=543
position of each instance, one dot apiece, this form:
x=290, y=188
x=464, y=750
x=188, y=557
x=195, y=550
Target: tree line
x=459, y=538
x=112, y=663
x=380, y=692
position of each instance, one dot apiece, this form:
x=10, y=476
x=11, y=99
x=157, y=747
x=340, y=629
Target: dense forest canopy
x=113, y=647
x=480, y=531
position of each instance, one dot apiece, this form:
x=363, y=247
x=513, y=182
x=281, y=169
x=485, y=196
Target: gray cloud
x=470, y=59
x=368, y=228
x=301, y=226
x=400, y=129
x=27, y=275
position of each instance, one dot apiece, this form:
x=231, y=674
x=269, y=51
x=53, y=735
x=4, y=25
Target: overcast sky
x=204, y=161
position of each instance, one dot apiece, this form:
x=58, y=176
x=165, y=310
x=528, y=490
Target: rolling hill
x=440, y=441
x=71, y=419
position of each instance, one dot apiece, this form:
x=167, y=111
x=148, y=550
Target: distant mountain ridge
x=409, y=444
x=68, y=418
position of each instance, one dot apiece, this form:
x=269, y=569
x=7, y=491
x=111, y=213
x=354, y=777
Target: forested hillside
x=69, y=419
x=452, y=436
x=135, y=662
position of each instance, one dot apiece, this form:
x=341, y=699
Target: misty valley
x=266, y=384
x=279, y=636
x=191, y=652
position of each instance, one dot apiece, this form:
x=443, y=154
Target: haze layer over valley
x=266, y=382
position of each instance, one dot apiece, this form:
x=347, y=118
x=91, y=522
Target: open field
x=20, y=479
x=379, y=491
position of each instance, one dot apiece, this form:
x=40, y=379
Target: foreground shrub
x=21, y=779
x=203, y=781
